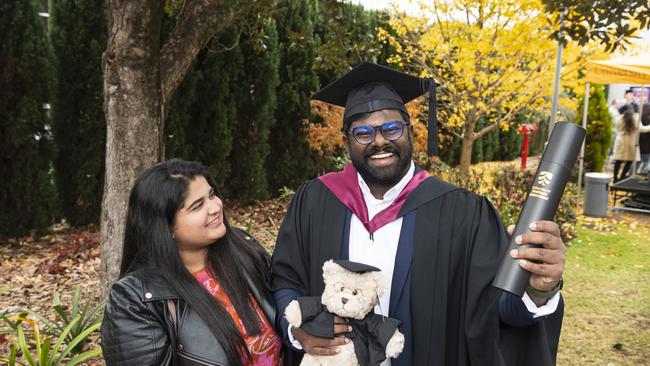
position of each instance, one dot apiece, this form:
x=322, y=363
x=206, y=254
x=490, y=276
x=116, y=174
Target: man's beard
x=389, y=175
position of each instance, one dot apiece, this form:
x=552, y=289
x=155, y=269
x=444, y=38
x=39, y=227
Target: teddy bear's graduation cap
x=356, y=267
x=369, y=87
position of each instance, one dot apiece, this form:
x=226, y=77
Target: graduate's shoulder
x=436, y=190
x=312, y=193
x=312, y=187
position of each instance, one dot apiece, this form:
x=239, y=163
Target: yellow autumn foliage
x=491, y=59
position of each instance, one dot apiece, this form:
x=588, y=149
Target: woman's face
x=199, y=222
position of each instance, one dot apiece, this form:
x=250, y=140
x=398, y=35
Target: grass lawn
x=607, y=295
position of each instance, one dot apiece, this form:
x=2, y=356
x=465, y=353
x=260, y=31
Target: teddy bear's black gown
x=369, y=335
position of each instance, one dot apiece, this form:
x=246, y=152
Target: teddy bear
x=351, y=291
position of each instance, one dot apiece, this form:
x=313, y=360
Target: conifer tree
x=202, y=114
x=599, y=129
x=291, y=160
x=509, y=145
x=28, y=199
x=256, y=102
x=78, y=123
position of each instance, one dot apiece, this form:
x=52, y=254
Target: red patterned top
x=264, y=348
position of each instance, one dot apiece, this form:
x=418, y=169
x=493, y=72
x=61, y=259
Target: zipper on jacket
x=199, y=361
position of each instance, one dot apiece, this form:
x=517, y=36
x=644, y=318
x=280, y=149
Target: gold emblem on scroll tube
x=539, y=190
x=544, y=178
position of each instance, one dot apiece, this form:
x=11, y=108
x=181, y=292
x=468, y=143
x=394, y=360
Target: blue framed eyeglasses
x=391, y=131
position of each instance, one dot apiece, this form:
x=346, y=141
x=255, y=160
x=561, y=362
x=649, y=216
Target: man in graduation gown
x=440, y=244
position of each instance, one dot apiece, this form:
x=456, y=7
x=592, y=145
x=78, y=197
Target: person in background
x=613, y=112
x=192, y=289
x=625, y=146
x=629, y=102
x=644, y=142
x=613, y=108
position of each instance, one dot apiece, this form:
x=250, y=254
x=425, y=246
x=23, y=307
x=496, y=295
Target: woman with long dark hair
x=192, y=289
x=626, y=147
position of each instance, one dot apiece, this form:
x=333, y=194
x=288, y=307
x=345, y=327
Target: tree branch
x=485, y=130
x=197, y=23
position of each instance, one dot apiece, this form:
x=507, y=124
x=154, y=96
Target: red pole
x=524, y=151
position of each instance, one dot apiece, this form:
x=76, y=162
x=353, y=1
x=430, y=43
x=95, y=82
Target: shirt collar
x=392, y=193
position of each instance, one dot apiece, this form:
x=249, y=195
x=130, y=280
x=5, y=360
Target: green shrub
x=48, y=354
x=75, y=322
x=505, y=185
x=86, y=317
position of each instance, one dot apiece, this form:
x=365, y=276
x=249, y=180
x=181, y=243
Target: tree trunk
x=133, y=107
x=468, y=144
x=139, y=77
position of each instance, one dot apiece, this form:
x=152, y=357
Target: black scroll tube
x=544, y=196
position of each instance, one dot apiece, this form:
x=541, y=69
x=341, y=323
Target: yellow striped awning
x=626, y=70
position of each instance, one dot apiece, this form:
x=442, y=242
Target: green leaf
x=82, y=313
x=75, y=302
x=84, y=356
x=24, y=348
x=58, y=308
x=44, y=352
x=48, y=323
x=62, y=337
x=37, y=337
x=81, y=337
x=93, y=316
x=12, y=355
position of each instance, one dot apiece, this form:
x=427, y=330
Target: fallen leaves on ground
x=33, y=269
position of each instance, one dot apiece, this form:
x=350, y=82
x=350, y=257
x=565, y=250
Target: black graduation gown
x=458, y=242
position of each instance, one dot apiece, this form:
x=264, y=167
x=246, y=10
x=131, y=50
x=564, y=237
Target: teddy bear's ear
x=382, y=282
x=330, y=268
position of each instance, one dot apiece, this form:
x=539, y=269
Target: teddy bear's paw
x=395, y=345
x=345, y=357
x=292, y=314
x=310, y=360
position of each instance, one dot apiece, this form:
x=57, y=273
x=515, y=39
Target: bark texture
x=133, y=108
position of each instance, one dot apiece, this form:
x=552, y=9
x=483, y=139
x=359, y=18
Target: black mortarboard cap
x=369, y=87
x=356, y=266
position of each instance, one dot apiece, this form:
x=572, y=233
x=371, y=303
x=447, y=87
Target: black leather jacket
x=138, y=327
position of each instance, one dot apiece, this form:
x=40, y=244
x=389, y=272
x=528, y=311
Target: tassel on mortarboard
x=432, y=141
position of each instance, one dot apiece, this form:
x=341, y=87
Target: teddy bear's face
x=349, y=294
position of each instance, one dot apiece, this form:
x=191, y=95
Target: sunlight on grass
x=607, y=296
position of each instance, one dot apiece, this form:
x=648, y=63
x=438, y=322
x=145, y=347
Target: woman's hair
x=148, y=244
x=628, y=121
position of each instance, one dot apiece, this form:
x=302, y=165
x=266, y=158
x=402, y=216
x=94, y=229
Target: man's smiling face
x=381, y=162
